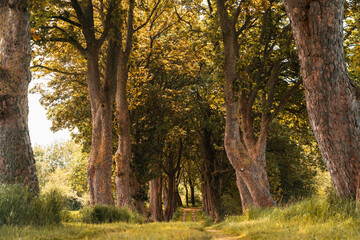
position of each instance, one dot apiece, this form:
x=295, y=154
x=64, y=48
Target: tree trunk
x=170, y=205
x=247, y=168
x=123, y=153
x=210, y=181
x=178, y=199
x=186, y=194
x=192, y=192
x=138, y=194
x=155, y=207
x=17, y=163
x=100, y=160
x=246, y=198
x=331, y=97
x=204, y=197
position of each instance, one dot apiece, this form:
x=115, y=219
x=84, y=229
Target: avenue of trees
x=225, y=103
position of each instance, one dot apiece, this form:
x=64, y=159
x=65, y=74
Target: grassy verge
x=109, y=231
x=314, y=218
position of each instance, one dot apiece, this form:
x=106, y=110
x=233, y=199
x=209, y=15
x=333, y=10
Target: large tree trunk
x=17, y=164
x=239, y=155
x=155, y=207
x=123, y=153
x=246, y=198
x=100, y=160
x=331, y=97
x=246, y=168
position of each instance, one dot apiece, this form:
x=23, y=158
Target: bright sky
x=39, y=125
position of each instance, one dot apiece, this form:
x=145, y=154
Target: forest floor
x=309, y=219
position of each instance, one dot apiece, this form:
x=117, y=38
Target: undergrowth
x=317, y=217
x=108, y=214
x=18, y=206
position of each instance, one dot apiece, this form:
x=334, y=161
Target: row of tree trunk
x=163, y=191
x=331, y=97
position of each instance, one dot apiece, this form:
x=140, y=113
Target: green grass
x=314, y=218
x=151, y=231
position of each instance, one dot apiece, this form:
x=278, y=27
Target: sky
x=39, y=125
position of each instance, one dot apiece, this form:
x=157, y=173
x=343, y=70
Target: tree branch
x=67, y=20
x=59, y=71
x=149, y=17
x=72, y=41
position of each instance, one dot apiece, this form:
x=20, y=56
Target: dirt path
x=193, y=213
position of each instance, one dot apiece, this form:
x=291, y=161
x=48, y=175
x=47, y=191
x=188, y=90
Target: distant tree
x=17, y=164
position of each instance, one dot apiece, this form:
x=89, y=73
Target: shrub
x=108, y=214
x=18, y=206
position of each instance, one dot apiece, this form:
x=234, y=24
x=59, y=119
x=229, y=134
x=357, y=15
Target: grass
x=109, y=231
x=314, y=218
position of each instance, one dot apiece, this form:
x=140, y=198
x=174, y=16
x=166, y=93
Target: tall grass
x=18, y=206
x=108, y=214
x=328, y=217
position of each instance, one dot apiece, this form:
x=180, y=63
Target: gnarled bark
x=331, y=98
x=17, y=163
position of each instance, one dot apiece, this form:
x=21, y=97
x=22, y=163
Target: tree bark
x=17, y=163
x=170, y=205
x=123, y=153
x=246, y=198
x=239, y=157
x=331, y=97
x=100, y=160
x=210, y=180
x=155, y=207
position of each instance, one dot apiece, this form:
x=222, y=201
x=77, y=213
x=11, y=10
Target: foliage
x=18, y=206
x=108, y=214
x=62, y=166
x=291, y=172
x=352, y=35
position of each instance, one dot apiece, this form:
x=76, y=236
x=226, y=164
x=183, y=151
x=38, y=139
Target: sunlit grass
x=314, y=218
x=151, y=231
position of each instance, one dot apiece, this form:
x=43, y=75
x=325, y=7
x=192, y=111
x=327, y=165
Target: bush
x=18, y=206
x=108, y=214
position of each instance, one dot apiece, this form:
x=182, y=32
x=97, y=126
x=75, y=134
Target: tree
x=17, y=164
x=259, y=81
x=87, y=27
x=331, y=96
x=123, y=153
